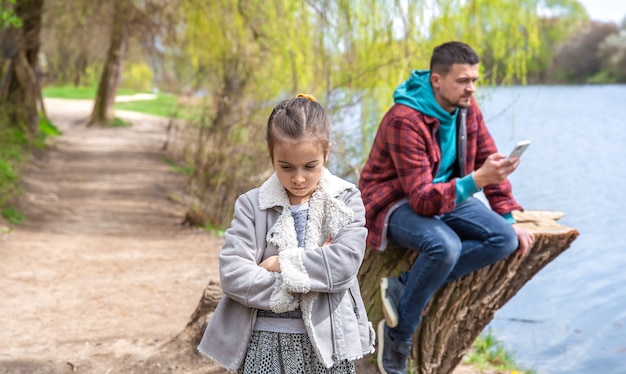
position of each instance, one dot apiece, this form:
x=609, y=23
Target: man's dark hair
x=450, y=53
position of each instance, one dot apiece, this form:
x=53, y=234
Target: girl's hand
x=328, y=241
x=271, y=264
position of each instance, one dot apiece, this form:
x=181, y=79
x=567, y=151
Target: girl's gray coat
x=321, y=279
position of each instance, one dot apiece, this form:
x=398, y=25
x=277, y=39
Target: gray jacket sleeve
x=241, y=278
x=334, y=267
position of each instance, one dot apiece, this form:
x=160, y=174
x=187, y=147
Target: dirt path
x=101, y=270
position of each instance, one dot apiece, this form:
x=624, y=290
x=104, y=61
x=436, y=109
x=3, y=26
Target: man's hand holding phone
x=519, y=149
x=497, y=167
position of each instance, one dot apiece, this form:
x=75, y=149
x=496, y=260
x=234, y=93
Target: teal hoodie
x=417, y=93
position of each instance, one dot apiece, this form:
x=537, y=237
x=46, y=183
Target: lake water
x=576, y=164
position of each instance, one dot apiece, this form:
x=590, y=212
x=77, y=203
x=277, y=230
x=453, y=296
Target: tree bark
x=109, y=80
x=460, y=310
x=20, y=92
x=192, y=334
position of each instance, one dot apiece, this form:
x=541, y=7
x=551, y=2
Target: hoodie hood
x=417, y=93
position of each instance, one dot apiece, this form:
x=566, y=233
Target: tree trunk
x=192, y=334
x=460, y=310
x=109, y=80
x=20, y=92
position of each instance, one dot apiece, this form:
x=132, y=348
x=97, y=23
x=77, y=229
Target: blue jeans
x=454, y=244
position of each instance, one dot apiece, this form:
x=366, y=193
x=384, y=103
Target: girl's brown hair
x=296, y=118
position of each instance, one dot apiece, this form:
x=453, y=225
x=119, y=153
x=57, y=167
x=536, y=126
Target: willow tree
x=73, y=35
x=350, y=53
x=364, y=49
x=246, y=55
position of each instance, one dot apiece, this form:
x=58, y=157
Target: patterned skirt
x=286, y=353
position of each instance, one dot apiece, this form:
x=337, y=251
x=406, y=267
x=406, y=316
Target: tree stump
x=192, y=333
x=179, y=355
x=460, y=310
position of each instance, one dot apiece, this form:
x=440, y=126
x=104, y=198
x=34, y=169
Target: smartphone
x=519, y=148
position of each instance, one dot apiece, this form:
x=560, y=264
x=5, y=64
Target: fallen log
x=459, y=311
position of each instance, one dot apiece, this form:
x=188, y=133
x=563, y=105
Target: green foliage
x=12, y=155
x=137, y=76
x=15, y=147
x=91, y=75
x=12, y=215
x=612, y=54
x=488, y=353
x=350, y=54
x=74, y=37
x=8, y=17
x=184, y=169
x=8, y=177
x=565, y=17
x=12, y=136
x=583, y=55
x=214, y=230
x=601, y=77
x=47, y=128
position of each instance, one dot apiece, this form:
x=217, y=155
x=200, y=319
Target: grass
x=12, y=156
x=12, y=215
x=164, y=105
x=15, y=148
x=118, y=122
x=489, y=354
x=214, y=230
x=77, y=92
x=486, y=355
x=185, y=170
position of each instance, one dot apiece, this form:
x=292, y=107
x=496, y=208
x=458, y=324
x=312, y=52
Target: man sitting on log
x=431, y=154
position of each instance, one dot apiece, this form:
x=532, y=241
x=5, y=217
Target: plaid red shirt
x=405, y=159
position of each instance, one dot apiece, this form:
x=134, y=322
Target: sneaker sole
x=388, y=309
x=380, y=332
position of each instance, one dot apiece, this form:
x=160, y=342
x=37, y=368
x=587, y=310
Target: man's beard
x=464, y=102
